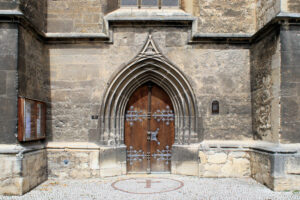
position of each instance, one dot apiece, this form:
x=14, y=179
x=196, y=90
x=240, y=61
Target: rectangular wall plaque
x=31, y=120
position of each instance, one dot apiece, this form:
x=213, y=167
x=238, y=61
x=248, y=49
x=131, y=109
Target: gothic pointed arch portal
x=149, y=66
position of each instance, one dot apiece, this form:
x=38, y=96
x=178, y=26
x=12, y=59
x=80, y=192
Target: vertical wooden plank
x=162, y=122
x=44, y=119
x=21, y=127
x=136, y=131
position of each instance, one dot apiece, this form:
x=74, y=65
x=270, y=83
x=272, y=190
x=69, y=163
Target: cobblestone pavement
x=154, y=187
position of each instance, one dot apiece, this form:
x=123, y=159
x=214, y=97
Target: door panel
x=149, y=130
x=162, y=119
x=136, y=130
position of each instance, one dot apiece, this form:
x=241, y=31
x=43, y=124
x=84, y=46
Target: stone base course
x=22, y=172
x=275, y=167
x=226, y=163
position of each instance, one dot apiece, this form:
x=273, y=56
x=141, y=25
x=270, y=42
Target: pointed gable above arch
x=149, y=65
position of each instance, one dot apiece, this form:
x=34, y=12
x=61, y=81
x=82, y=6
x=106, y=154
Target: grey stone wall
x=213, y=16
x=278, y=171
x=8, y=82
x=266, y=10
x=261, y=168
x=18, y=174
x=224, y=16
x=293, y=6
x=35, y=12
x=33, y=67
x=73, y=163
x=265, y=87
x=290, y=87
x=80, y=16
x=81, y=73
x=8, y=4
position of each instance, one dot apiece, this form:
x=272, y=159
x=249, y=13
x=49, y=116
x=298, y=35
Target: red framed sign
x=32, y=120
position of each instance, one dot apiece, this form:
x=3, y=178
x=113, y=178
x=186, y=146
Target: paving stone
x=154, y=187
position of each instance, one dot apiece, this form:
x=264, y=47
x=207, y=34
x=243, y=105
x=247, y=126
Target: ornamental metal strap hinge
x=163, y=155
x=134, y=115
x=164, y=115
x=135, y=155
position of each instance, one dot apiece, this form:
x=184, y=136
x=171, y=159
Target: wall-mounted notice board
x=32, y=120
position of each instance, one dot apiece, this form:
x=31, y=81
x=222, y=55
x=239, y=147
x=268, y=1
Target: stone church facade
x=229, y=69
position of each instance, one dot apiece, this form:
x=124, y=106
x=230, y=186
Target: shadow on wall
x=33, y=64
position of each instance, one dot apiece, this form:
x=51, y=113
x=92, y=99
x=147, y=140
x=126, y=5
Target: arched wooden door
x=149, y=130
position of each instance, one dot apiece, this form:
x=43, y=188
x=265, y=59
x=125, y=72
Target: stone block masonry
x=19, y=173
x=8, y=82
x=65, y=16
x=277, y=170
x=73, y=163
x=224, y=163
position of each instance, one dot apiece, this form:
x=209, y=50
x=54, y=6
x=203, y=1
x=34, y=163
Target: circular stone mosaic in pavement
x=147, y=185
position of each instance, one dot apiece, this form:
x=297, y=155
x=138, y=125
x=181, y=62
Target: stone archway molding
x=149, y=65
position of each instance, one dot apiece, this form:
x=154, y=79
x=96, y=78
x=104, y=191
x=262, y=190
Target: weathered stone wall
x=266, y=10
x=290, y=87
x=222, y=16
x=185, y=160
x=34, y=169
x=8, y=5
x=81, y=73
x=8, y=82
x=80, y=16
x=261, y=168
x=32, y=67
x=73, y=163
x=217, y=163
x=10, y=170
x=293, y=6
x=18, y=174
x=280, y=172
x=265, y=87
x=35, y=11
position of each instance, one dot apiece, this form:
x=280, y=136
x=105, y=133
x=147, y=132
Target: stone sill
x=14, y=149
x=77, y=35
x=288, y=15
x=261, y=146
x=11, y=12
x=268, y=147
x=150, y=14
x=72, y=145
x=222, y=35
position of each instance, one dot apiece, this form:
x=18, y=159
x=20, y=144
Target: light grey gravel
x=194, y=188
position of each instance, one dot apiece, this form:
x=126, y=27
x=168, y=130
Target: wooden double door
x=149, y=130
